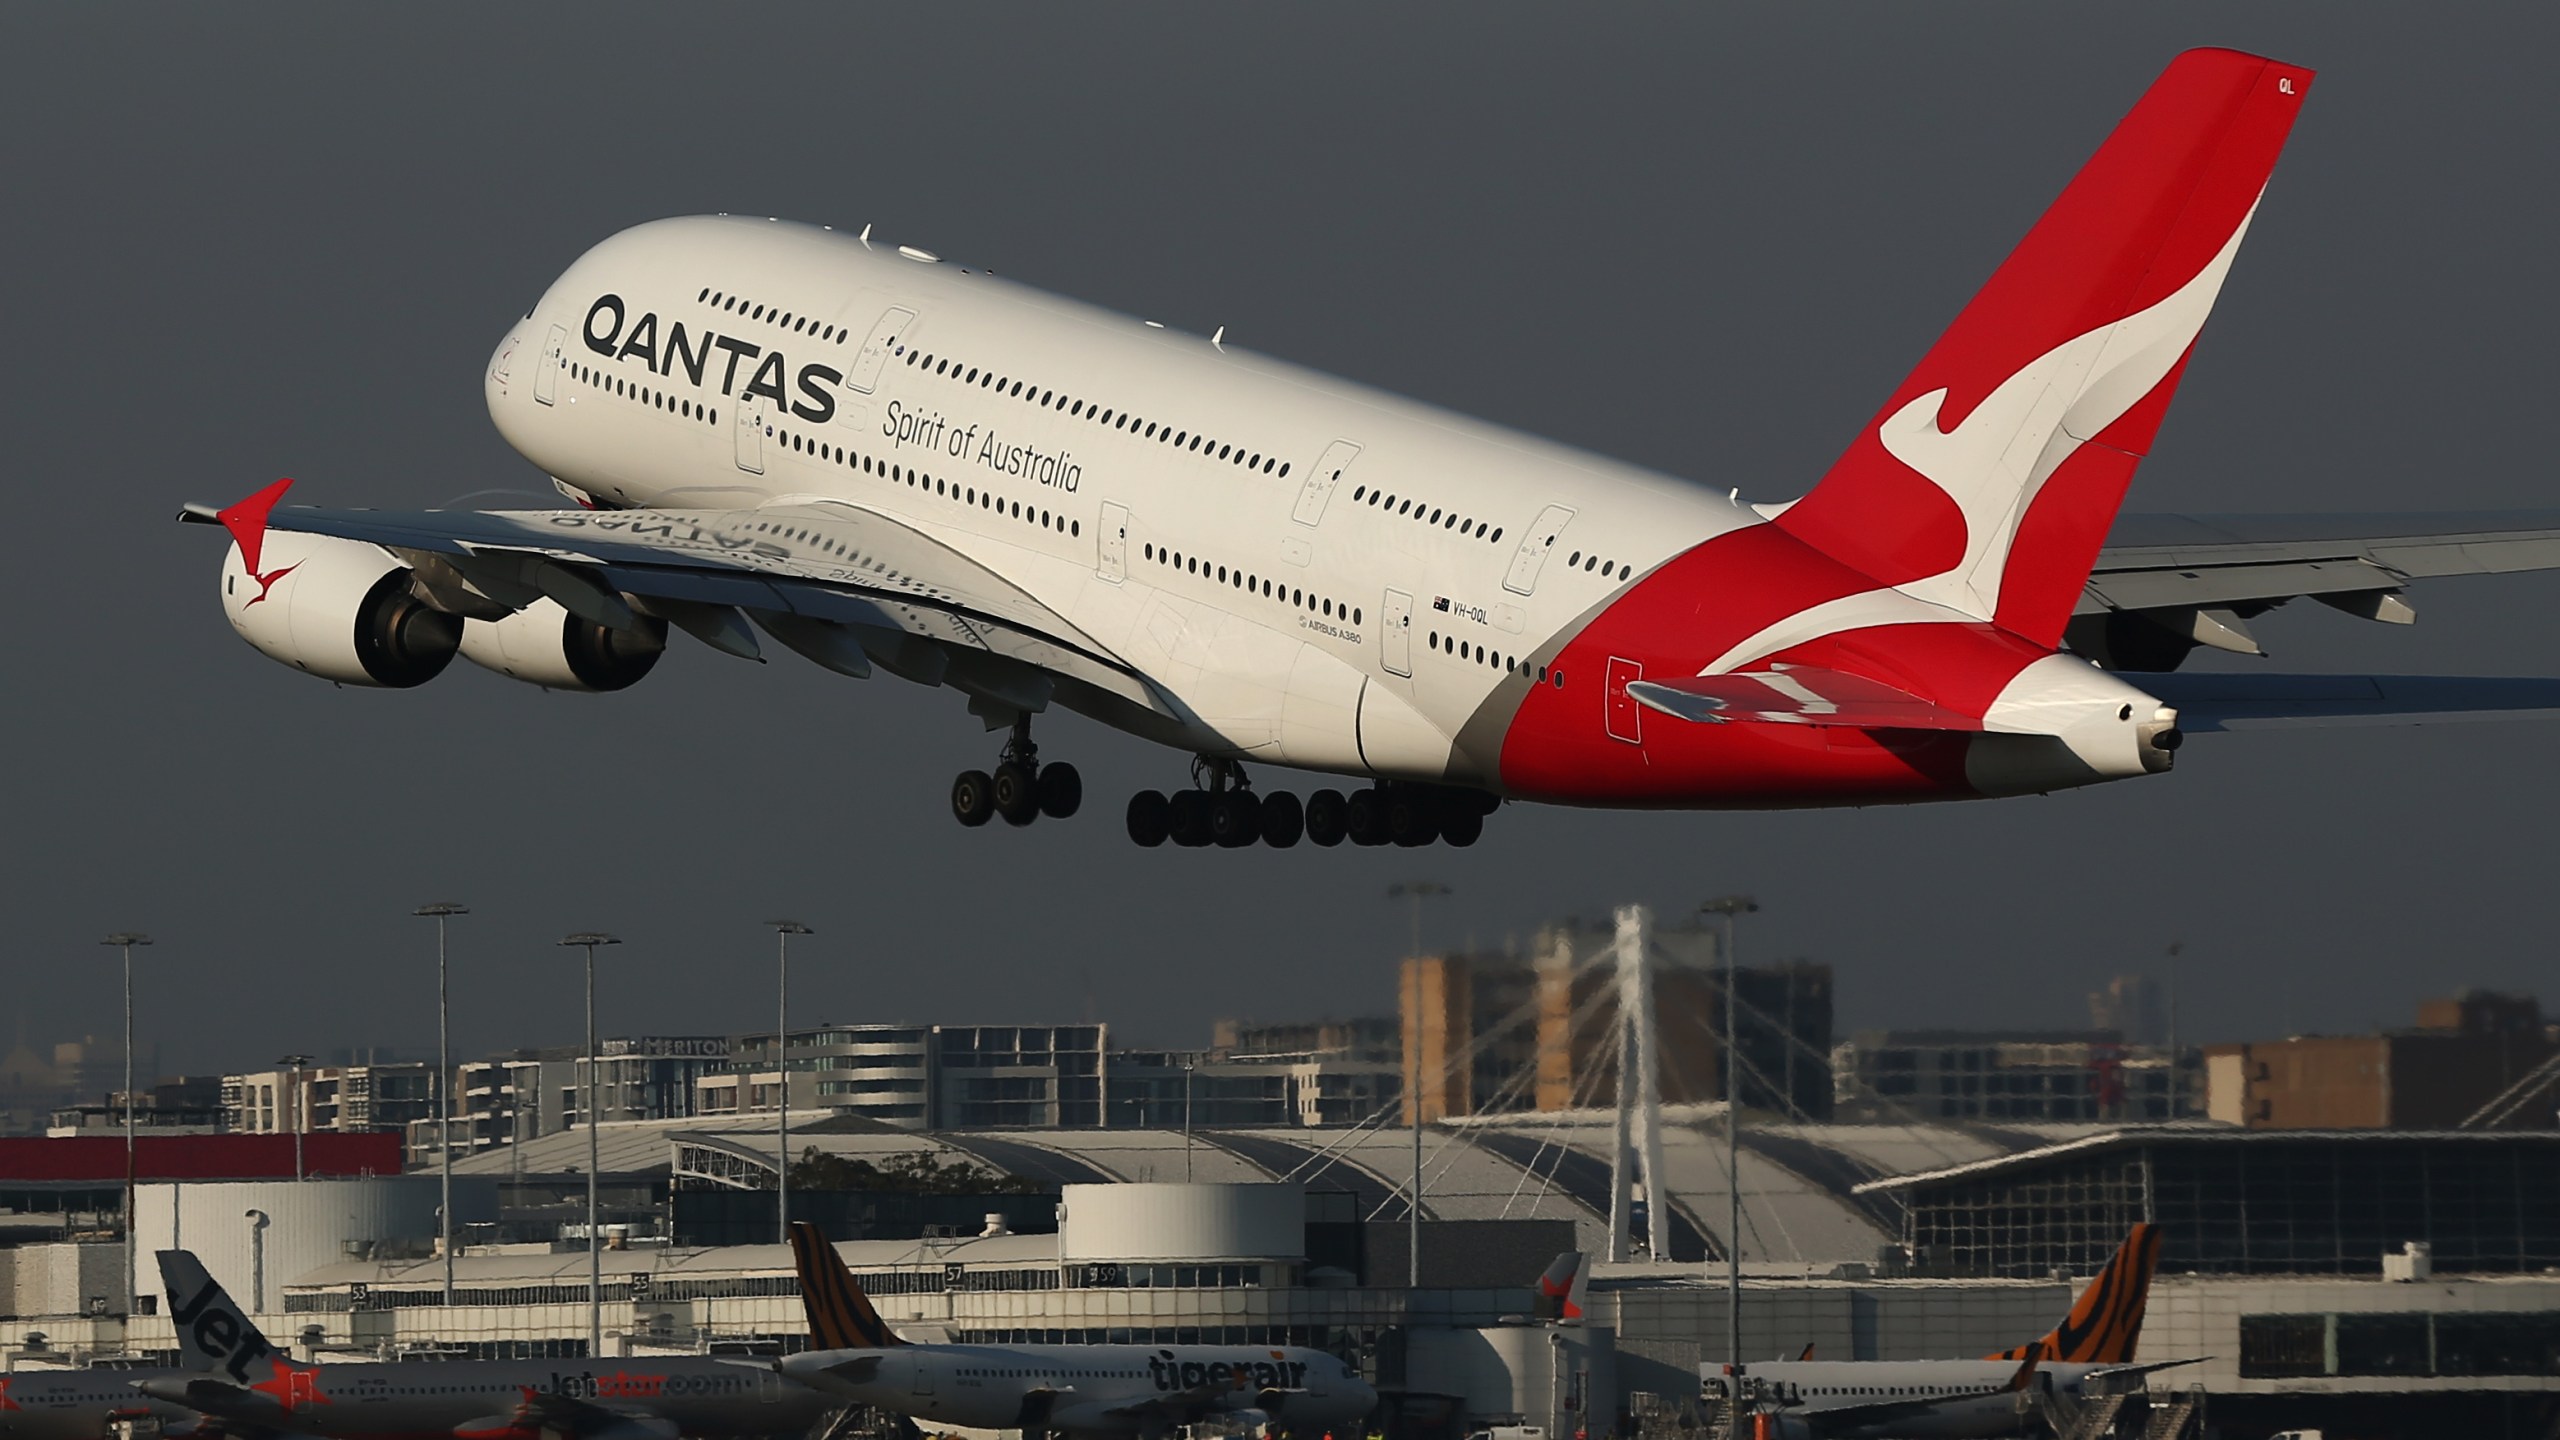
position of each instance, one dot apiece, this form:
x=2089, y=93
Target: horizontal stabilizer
x=1796, y=695
x=2208, y=702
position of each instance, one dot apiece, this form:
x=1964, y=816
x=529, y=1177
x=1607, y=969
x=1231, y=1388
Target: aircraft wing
x=921, y=608
x=2183, y=560
x=2208, y=702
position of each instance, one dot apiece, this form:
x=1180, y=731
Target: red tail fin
x=2106, y=1322
x=1989, y=479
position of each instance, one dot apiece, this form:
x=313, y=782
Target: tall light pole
x=295, y=1111
x=588, y=940
x=2177, y=1067
x=1187, y=1067
x=783, y=930
x=440, y=912
x=125, y=940
x=1726, y=907
x=1415, y=892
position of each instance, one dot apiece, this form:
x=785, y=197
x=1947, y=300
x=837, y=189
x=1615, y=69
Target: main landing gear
x=1221, y=809
x=1021, y=789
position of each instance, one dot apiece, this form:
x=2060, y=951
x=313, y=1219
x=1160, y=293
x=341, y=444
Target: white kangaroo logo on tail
x=1998, y=457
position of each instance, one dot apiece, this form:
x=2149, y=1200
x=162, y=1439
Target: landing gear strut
x=1021, y=789
x=1222, y=809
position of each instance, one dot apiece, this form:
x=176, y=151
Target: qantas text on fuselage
x=880, y=460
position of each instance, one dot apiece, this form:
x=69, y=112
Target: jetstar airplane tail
x=840, y=1315
x=2104, y=1325
x=215, y=1336
x=1560, y=1288
x=1988, y=481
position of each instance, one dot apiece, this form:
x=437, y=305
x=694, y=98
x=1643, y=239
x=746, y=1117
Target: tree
x=912, y=1172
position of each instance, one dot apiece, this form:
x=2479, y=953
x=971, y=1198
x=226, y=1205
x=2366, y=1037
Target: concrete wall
x=308, y=1224
x=1533, y=1374
x=61, y=1279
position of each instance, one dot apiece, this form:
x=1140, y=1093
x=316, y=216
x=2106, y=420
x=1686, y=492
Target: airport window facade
x=2299, y=1203
x=2468, y=1343
x=1113, y=1275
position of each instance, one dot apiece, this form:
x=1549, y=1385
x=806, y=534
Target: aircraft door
x=1395, y=634
x=1323, y=480
x=750, y=432
x=1531, y=557
x=546, y=377
x=877, y=347
x=920, y=1381
x=1625, y=718
x=1114, y=535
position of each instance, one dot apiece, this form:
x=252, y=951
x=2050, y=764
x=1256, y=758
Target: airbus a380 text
x=880, y=459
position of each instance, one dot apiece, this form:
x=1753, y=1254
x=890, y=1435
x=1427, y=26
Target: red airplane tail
x=1989, y=479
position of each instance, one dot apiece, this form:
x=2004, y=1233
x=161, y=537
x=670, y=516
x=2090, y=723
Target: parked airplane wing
x=789, y=567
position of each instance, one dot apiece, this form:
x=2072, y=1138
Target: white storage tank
x=1562, y=1378
x=257, y=1236
x=1183, y=1222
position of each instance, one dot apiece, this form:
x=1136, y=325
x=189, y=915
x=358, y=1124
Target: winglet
x=1806, y=1354
x=247, y=521
x=2026, y=1370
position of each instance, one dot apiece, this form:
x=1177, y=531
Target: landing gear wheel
x=1017, y=793
x=1235, y=819
x=1189, y=811
x=1283, y=820
x=1328, y=817
x=1461, y=828
x=1061, y=790
x=1412, y=820
x=973, y=797
x=1150, y=818
x=1366, y=813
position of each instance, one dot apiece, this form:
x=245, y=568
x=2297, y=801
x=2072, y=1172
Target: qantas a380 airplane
x=880, y=459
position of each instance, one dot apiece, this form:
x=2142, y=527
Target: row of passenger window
x=1609, y=569
x=1495, y=659
x=1189, y=440
x=918, y=480
x=1261, y=585
x=1429, y=515
x=658, y=399
x=796, y=324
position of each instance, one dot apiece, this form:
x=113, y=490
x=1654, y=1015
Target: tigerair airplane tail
x=2106, y=1322
x=840, y=1315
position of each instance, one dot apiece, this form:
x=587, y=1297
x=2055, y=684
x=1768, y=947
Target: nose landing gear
x=1222, y=809
x=1021, y=789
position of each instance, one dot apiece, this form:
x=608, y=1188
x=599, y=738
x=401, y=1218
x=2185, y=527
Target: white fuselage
x=1975, y=1403
x=1211, y=516
x=1094, y=1389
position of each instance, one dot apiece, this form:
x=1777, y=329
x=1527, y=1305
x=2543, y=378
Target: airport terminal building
x=2287, y=1272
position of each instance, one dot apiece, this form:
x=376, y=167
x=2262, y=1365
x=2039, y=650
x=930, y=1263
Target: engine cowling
x=338, y=609
x=545, y=645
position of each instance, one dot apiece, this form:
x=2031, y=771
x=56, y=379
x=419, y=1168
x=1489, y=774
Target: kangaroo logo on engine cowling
x=610, y=332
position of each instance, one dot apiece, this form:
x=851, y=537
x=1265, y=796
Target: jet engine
x=545, y=645
x=338, y=609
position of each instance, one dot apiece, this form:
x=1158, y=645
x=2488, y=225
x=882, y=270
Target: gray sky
x=250, y=242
